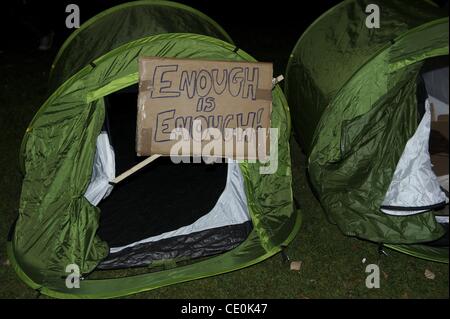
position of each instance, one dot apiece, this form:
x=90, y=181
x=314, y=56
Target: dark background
x=266, y=30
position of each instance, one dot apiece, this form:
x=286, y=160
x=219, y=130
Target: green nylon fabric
x=335, y=47
x=57, y=225
x=436, y=254
x=352, y=93
x=124, y=23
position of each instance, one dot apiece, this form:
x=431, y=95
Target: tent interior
x=166, y=211
x=421, y=178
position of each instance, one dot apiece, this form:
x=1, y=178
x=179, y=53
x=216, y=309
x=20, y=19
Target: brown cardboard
x=440, y=164
x=439, y=144
x=221, y=94
x=441, y=125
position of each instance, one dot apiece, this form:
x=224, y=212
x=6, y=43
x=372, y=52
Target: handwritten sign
x=227, y=98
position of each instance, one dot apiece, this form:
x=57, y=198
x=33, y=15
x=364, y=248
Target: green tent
x=359, y=111
x=232, y=216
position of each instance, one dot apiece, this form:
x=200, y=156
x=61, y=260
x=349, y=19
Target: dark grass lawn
x=332, y=264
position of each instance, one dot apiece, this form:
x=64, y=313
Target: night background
x=331, y=262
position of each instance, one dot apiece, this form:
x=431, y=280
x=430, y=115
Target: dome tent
x=80, y=138
x=357, y=112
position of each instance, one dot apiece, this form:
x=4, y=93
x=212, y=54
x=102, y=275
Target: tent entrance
x=166, y=211
x=420, y=181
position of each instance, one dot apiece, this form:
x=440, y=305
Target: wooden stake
x=135, y=168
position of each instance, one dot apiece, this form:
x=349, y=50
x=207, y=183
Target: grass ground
x=332, y=264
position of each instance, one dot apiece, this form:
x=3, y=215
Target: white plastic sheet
x=103, y=171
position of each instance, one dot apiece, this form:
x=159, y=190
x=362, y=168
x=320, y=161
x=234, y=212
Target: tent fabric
x=124, y=23
x=347, y=47
x=208, y=242
x=352, y=94
x=57, y=225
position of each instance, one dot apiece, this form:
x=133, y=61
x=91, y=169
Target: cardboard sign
x=219, y=95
